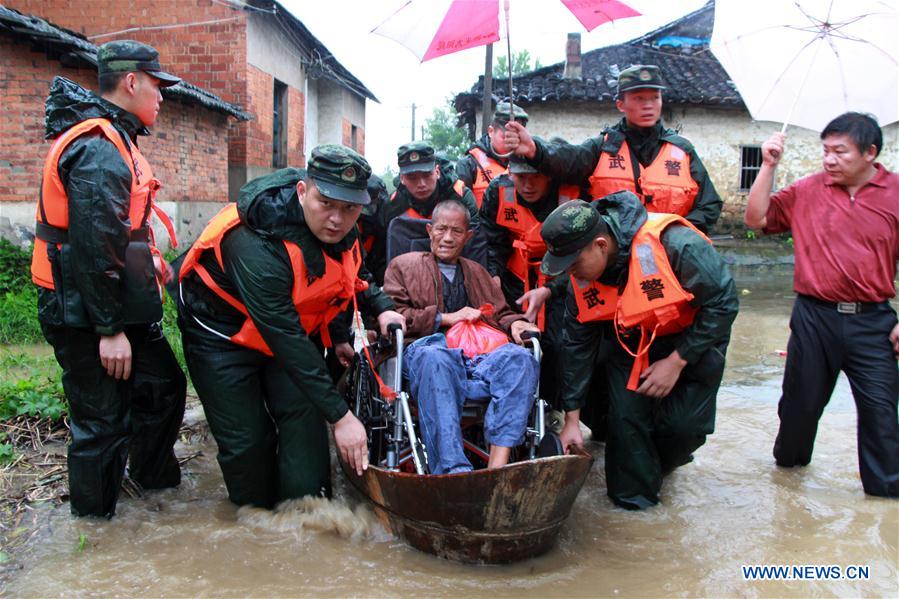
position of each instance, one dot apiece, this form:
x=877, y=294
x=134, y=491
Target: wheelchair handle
x=393, y=327
x=530, y=335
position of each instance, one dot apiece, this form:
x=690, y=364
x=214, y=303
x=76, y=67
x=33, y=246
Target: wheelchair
x=393, y=438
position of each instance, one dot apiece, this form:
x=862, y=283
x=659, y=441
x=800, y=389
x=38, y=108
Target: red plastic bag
x=476, y=337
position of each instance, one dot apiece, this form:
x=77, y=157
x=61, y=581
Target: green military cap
x=518, y=165
x=416, y=156
x=125, y=56
x=501, y=114
x=640, y=76
x=340, y=173
x=566, y=231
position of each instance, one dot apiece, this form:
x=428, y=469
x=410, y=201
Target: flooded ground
x=730, y=508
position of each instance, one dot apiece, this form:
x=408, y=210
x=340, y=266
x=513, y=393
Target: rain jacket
x=258, y=272
x=402, y=200
x=697, y=266
x=575, y=163
x=467, y=168
x=98, y=187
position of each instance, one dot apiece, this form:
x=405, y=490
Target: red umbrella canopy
x=434, y=28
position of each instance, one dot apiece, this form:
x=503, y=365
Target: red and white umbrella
x=434, y=28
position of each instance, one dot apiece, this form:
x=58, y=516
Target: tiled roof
x=680, y=49
x=73, y=49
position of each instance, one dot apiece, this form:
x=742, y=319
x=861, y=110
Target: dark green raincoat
x=267, y=414
x=402, y=200
x=648, y=437
x=112, y=420
x=575, y=163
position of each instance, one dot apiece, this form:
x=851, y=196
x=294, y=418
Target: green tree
x=521, y=63
x=441, y=131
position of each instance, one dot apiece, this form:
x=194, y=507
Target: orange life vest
x=488, y=169
x=458, y=187
x=653, y=299
x=317, y=301
x=528, y=247
x=665, y=185
x=52, y=218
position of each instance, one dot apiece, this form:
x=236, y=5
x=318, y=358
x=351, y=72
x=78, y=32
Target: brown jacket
x=416, y=286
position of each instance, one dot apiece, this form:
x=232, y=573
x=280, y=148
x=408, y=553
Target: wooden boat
x=485, y=516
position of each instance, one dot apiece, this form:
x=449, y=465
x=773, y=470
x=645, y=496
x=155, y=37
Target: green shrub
x=15, y=267
x=36, y=397
x=18, y=316
x=7, y=453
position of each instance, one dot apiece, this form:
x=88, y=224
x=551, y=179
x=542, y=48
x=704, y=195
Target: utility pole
x=413, y=121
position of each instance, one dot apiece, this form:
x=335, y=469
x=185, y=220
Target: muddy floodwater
x=730, y=508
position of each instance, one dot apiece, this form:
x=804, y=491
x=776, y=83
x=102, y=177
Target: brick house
x=188, y=151
x=576, y=100
x=254, y=55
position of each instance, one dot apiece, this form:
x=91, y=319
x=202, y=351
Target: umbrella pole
x=509, y=54
x=799, y=91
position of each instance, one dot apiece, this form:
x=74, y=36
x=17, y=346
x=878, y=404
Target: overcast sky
x=398, y=79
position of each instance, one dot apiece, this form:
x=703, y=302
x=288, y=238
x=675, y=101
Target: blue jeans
x=441, y=379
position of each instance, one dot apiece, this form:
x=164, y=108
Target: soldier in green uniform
x=264, y=290
x=638, y=154
x=422, y=185
x=488, y=157
x=677, y=305
x=514, y=206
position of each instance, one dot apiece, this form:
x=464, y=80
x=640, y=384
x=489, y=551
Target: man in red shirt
x=845, y=225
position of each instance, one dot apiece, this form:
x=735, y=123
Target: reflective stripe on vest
x=488, y=169
x=666, y=184
x=317, y=301
x=53, y=206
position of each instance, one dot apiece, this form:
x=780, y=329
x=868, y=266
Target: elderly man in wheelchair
x=434, y=291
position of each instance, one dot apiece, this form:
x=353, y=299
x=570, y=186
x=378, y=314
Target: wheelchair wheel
x=550, y=445
x=361, y=396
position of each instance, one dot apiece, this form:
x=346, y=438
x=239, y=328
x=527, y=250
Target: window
x=279, y=125
x=354, y=138
x=750, y=163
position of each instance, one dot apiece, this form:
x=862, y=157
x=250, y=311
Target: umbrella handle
x=509, y=53
x=799, y=91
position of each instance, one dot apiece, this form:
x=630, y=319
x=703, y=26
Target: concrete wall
x=718, y=134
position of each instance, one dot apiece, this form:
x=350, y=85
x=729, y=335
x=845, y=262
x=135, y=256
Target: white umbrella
x=807, y=61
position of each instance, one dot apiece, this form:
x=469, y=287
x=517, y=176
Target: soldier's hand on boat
x=519, y=141
x=660, y=377
x=519, y=327
x=389, y=317
x=352, y=443
x=535, y=299
x=570, y=435
x=467, y=313
x=115, y=355
x=773, y=149
x=344, y=352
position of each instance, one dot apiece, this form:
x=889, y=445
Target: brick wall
x=296, y=111
x=188, y=149
x=24, y=82
x=210, y=56
x=260, y=93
